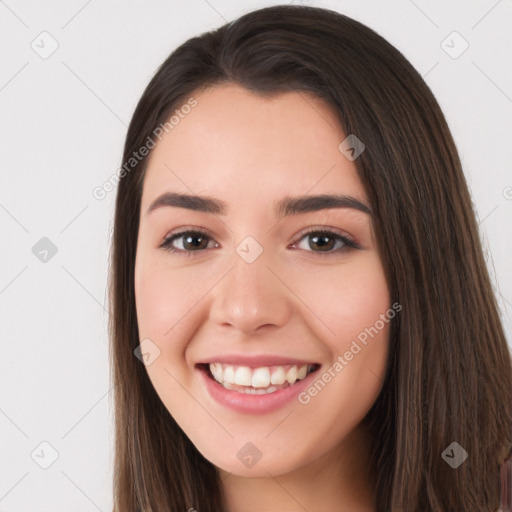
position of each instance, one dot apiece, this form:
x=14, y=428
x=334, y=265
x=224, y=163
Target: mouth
x=258, y=380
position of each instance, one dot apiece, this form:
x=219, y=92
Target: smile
x=261, y=380
x=255, y=389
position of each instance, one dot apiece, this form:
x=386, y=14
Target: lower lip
x=253, y=404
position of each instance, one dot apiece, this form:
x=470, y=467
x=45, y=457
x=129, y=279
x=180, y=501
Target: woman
x=302, y=318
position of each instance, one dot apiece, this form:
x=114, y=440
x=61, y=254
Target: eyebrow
x=284, y=208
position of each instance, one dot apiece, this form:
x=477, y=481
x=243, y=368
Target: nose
x=250, y=297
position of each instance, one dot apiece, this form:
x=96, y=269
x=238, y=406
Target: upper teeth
x=258, y=377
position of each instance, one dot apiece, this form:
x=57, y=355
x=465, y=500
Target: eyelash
x=348, y=242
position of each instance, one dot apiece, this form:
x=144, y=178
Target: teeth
x=229, y=374
x=291, y=375
x=243, y=376
x=278, y=376
x=217, y=371
x=258, y=380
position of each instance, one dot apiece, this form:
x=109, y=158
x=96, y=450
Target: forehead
x=238, y=145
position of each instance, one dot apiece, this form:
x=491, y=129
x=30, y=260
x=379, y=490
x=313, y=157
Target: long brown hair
x=449, y=377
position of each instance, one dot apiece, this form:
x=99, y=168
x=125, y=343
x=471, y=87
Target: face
x=287, y=306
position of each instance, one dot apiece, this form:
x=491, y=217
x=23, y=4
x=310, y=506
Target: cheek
x=346, y=299
x=165, y=299
x=353, y=304
x=164, y=296
x=153, y=300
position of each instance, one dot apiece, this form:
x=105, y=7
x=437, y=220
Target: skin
x=251, y=151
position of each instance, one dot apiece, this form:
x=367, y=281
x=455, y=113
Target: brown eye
x=321, y=242
x=191, y=241
x=325, y=242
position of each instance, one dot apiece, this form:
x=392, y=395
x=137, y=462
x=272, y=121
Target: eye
x=191, y=241
x=196, y=241
x=325, y=240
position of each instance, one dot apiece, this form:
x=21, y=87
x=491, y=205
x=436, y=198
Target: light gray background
x=62, y=125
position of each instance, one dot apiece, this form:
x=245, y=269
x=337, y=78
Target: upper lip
x=255, y=361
